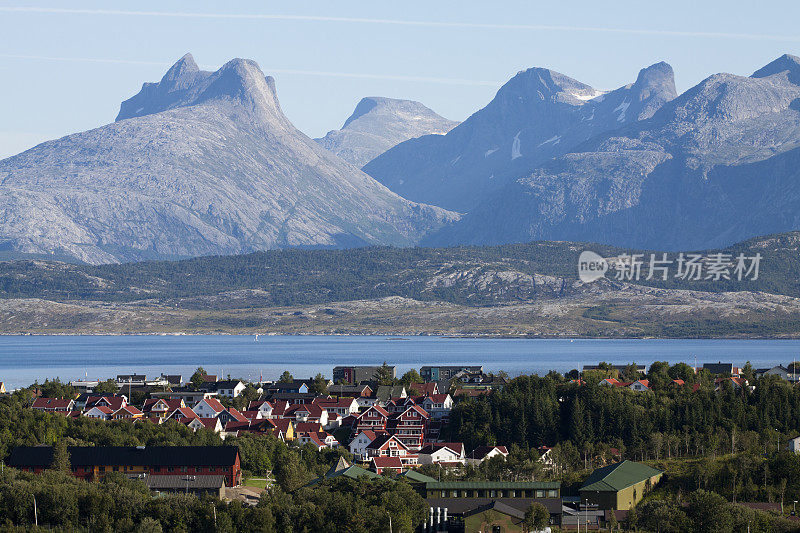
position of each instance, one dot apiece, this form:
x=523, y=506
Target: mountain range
x=718, y=164
x=378, y=124
x=199, y=163
x=206, y=163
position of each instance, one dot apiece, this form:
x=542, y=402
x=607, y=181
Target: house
x=640, y=385
x=779, y=371
x=134, y=380
x=341, y=406
x=488, y=505
x=546, y=457
x=343, y=468
x=794, y=445
x=352, y=391
x=173, y=380
x=386, y=392
x=379, y=465
x=189, y=396
x=99, y=412
x=358, y=446
x=287, y=386
x=230, y=388
x=180, y=414
x=353, y=375
x=187, y=484
x=210, y=378
x=610, y=382
x=619, y=486
x=231, y=414
x=161, y=407
x=284, y=427
x=438, y=406
x=482, y=453
x=724, y=369
x=307, y=413
x=320, y=439
x=94, y=462
x=195, y=424
x=114, y=402
x=736, y=382
x=445, y=373
x=409, y=426
x=128, y=412
x=447, y=453
x=374, y=418
x=262, y=407
x=208, y=408
x=53, y=404
x=391, y=446
x=424, y=389
x=292, y=397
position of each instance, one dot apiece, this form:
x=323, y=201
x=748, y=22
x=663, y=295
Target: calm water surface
x=24, y=359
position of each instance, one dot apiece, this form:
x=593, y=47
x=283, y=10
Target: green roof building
x=343, y=468
x=619, y=486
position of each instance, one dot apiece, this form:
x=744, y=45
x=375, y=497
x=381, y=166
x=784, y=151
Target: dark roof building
x=440, y=373
x=619, y=486
x=356, y=374
x=724, y=369
x=187, y=483
x=89, y=462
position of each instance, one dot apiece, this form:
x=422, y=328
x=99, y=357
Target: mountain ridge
x=205, y=163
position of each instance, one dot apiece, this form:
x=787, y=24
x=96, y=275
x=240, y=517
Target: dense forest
x=304, y=276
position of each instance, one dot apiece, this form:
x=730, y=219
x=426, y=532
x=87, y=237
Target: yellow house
x=619, y=486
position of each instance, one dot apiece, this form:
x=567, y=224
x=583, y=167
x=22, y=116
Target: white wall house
x=358, y=446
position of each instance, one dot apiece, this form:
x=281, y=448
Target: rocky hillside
x=378, y=124
x=537, y=115
x=200, y=163
x=718, y=164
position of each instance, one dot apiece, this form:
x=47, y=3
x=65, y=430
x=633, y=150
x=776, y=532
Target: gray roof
x=184, y=481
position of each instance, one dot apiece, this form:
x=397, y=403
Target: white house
x=794, y=445
x=438, y=406
x=442, y=452
x=230, y=388
x=100, y=412
x=208, y=408
x=358, y=446
x=640, y=385
x=482, y=453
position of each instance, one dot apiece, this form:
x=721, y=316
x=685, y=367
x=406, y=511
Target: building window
x=170, y=469
x=540, y=494
x=198, y=469
x=552, y=494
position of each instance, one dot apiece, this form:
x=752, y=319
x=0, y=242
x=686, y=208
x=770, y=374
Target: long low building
x=94, y=462
x=458, y=506
x=619, y=486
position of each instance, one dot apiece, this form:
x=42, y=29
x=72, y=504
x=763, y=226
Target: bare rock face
x=716, y=165
x=537, y=115
x=200, y=163
x=378, y=124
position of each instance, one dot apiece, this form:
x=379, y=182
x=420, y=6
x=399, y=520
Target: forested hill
x=464, y=275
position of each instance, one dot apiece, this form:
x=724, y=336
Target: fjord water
x=24, y=359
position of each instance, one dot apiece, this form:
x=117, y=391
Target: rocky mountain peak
x=654, y=87
x=544, y=84
x=786, y=63
x=184, y=84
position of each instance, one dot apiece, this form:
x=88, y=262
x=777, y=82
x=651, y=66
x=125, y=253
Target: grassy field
x=257, y=482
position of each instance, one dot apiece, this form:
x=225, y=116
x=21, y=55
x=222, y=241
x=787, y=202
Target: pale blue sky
x=66, y=66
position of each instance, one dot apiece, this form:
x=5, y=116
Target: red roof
x=183, y=412
x=314, y=411
x=102, y=408
x=237, y=415
x=438, y=398
x=425, y=389
x=114, y=402
x=250, y=415
x=213, y=403
x=51, y=403
x=307, y=426
x=171, y=404
x=341, y=403
x=128, y=409
x=393, y=463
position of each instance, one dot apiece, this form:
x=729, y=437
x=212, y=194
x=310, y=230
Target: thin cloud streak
x=436, y=24
x=418, y=79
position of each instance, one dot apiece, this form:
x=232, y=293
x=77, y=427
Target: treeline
x=302, y=276
x=117, y=504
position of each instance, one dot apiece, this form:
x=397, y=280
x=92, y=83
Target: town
x=368, y=423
